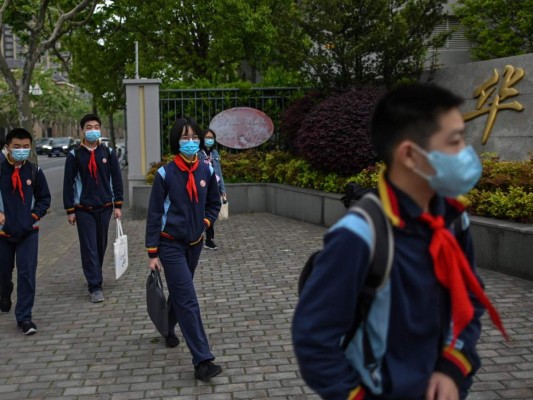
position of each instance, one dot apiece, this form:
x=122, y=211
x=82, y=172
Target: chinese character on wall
x=491, y=101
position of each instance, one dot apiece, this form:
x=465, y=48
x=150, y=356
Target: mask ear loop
x=417, y=170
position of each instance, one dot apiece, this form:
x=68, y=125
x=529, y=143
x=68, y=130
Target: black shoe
x=5, y=304
x=206, y=370
x=209, y=244
x=5, y=301
x=28, y=327
x=172, y=341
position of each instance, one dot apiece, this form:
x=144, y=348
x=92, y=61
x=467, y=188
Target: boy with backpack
x=24, y=200
x=416, y=337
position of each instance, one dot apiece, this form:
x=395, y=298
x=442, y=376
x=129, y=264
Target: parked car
x=60, y=146
x=40, y=145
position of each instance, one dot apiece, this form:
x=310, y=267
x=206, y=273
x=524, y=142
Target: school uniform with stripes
x=184, y=201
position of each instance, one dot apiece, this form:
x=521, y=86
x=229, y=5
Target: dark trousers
x=179, y=264
x=92, y=231
x=210, y=232
x=23, y=251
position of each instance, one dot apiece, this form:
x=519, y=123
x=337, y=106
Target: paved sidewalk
x=247, y=293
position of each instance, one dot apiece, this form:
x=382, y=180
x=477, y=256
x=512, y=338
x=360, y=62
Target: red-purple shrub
x=334, y=136
x=293, y=117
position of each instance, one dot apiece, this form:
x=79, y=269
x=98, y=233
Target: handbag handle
x=119, y=230
x=158, y=279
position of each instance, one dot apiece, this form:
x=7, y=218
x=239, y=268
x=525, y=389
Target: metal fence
x=204, y=104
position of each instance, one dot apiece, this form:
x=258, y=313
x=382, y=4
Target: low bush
x=334, y=135
x=504, y=191
x=294, y=116
x=515, y=204
x=504, y=175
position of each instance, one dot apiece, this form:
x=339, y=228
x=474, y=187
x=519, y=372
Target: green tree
x=99, y=57
x=60, y=105
x=408, y=27
x=194, y=40
x=497, y=28
x=219, y=40
x=39, y=25
x=263, y=36
x=358, y=41
x=8, y=106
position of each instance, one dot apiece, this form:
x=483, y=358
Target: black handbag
x=156, y=302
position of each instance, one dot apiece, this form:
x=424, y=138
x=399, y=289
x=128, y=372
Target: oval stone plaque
x=242, y=127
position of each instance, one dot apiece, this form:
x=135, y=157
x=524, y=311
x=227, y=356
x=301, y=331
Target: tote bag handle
x=119, y=230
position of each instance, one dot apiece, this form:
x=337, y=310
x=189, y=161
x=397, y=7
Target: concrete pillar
x=142, y=119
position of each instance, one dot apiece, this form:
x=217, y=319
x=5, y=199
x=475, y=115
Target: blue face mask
x=20, y=154
x=189, y=147
x=92, y=136
x=209, y=142
x=455, y=174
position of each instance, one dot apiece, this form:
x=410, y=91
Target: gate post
x=142, y=123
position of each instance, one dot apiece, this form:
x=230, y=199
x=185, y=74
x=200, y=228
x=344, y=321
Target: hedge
x=505, y=190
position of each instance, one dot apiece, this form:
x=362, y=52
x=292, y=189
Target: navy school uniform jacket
x=82, y=191
x=410, y=318
x=171, y=213
x=22, y=217
x=214, y=159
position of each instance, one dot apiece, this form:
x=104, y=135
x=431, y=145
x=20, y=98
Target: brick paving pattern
x=247, y=293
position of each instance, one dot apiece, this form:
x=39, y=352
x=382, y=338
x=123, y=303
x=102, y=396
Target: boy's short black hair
x=177, y=130
x=89, y=117
x=202, y=138
x=409, y=111
x=18, y=133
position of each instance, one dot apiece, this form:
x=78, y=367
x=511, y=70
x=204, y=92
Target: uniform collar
x=84, y=144
x=12, y=163
x=400, y=207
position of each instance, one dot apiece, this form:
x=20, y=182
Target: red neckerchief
x=93, y=167
x=190, y=168
x=454, y=273
x=17, y=183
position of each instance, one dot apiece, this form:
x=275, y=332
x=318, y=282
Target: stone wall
x=512, y=133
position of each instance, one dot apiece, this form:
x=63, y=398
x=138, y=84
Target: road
x=53, y=169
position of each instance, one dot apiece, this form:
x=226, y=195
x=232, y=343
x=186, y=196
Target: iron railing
x=204, y=104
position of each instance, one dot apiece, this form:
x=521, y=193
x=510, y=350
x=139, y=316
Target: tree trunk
x=112, y=131
x=25, y=118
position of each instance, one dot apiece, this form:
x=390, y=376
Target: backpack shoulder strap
x=457, y=226
x=306, y=271
x=34, y=170
x=382, y=253
x=77, y=155
x=380, y=264
x=164, y=171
